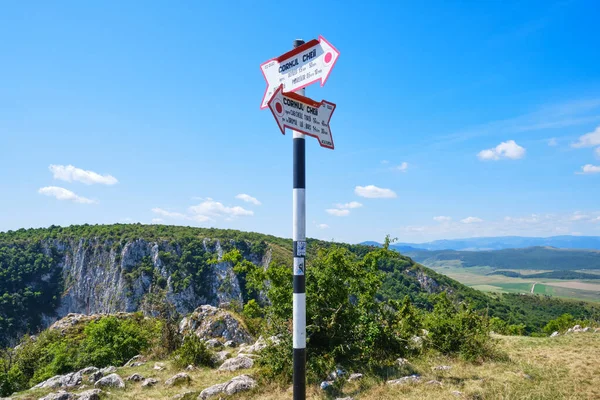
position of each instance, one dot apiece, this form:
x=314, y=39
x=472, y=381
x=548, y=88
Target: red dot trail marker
x=303, y=115
x=300, y=67
x=286, y=77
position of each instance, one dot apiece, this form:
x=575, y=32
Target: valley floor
x=564, y=367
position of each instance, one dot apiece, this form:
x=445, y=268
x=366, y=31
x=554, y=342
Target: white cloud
x=70, y=173
x=402, y=167
x=442, y=218
x=157, y=220
x=322, y=226
x=64, y=194
x=210, y=208
x=374, y=192
x=509, y=149
x=589, y=169
x=552, y=142
x=589, y=139
x=169, y=214
x=471, y=220
x=597, y=151
x=352, y=204
x=338, y=213
x=248, y=199
x=579, y=217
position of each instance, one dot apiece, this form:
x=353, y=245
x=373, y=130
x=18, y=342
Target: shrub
x=458, y=329
x=193, y=351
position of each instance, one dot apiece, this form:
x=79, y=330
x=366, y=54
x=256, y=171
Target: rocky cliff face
x=102, y=277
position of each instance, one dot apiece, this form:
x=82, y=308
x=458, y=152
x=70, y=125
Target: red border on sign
x=308, y=101
x=292, y=53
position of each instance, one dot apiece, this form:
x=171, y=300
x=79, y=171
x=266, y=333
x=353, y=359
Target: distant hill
x=505, y=242
x=547, y=258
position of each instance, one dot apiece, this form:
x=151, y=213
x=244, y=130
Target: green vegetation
x=527, y=258
x=548, y=275
x=107, y=341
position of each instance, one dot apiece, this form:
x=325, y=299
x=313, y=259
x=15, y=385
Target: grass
x=479, y=278
x=564, y=367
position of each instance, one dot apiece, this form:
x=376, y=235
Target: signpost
x=293, y=71
x=306, y=64
x=304, y=115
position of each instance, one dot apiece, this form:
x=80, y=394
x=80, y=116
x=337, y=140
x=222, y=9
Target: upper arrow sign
x=305, y=65
x=303, y=115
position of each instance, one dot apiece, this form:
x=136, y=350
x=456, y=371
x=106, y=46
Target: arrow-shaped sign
x=298, y=68
x=302, y=114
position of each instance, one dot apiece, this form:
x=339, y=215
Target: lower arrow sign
x=303, y=115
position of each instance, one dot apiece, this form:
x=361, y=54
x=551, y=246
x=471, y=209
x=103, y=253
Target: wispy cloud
x=589, y=139
x=374, y=192
x=552, y=142
x=322, y=226
x=248, y=199
x=210, y=208
x=537, y=224
x=64, y=194
x=70, y=173
x=352, y=204
x=402, y=167
x=442, y=218
x=505, y=150
x=169, y=214
x=572, y=113
x=337, y=212
x=588, y=169
x=471, y=220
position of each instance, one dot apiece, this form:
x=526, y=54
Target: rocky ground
x=560, y=367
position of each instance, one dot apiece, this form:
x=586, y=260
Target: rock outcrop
x=111, y=381
x=235, y=385
x=209, y=322
x=234, y=364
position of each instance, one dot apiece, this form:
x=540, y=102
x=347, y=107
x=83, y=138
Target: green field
x=479, y=278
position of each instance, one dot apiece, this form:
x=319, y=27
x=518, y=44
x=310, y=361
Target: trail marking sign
x=302, y=114
x=298, y=68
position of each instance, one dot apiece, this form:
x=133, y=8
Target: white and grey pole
x=299, y=239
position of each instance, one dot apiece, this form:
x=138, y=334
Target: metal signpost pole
x=299, y=240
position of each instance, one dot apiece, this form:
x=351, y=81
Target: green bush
x=459, y=330
x=559, y=324
x=193, y=351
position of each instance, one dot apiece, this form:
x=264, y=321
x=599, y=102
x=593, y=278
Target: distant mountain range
x=500, y=243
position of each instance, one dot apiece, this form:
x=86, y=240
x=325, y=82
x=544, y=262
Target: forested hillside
x=538, y=258
x=48, y=273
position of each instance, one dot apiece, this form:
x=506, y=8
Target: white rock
x=108, y=370
x=554, y=334
x=404, y=380
x=239, y=362
x=149, y=382
x=134, y=359
x=159, y=366
x=442, y=368
x=212, y=391
x=180, y=378
x=135, y=378
x=355, y=377
x=112, y=380
x=61, y=395
x=93, y=394
x=239, y=384
x=325, y=385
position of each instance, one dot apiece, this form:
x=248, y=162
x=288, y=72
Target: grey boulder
x=112, y=380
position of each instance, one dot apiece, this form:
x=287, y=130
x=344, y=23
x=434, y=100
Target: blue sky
x=455, y=120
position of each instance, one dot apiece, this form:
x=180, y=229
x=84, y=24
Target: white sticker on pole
x=298, y=68
x=302, y=114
